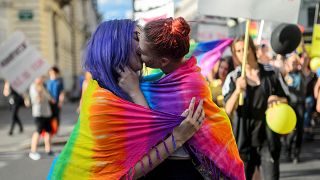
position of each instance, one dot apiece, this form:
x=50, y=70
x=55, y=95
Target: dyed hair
x=229, y=61
x=168, y=37
x=251, y=45
x=109, y=49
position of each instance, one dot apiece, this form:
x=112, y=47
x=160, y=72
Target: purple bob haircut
x=110, y=48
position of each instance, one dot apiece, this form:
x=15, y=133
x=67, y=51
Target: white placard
x=273, y=10
x=20, y=62
x=161, y=12
x=210, y=32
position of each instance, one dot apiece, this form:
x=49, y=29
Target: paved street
x=309, y=167
x=14, y=161
x=16, y=165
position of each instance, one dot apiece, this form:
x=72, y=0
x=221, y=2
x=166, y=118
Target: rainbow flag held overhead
x=208, y=53
x=253, y=29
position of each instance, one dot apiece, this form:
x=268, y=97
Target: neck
x=252, y=64
x=172, y=66
x=222, y=80
x=53, y=77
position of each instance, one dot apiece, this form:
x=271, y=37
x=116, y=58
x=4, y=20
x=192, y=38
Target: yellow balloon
x=315, y=64
x=281, y=118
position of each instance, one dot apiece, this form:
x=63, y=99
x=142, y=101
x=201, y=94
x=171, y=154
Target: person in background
x=262, y=54
x=224, y=68
x=316, y=92
x=278, y=62
x=16, y=101
x=84, y=85
x=87, y=78
x=310, y=81
x=296, y=83
x=262, y=87
x=55, y=88
x=41, y=113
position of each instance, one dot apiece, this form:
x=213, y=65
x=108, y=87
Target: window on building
x=311, y=13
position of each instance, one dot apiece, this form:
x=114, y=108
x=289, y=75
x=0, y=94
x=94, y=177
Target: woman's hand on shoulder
x=191, y=124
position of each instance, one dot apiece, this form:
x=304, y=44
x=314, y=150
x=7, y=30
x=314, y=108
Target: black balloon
x=285, y=38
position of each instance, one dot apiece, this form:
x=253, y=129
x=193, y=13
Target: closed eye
x=136, y=35
x=139, y=51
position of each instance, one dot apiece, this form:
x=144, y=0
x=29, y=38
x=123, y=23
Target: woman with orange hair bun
x=212, y=151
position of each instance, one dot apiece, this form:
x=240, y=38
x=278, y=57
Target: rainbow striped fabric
x=208, y=53
x=253, y=29
x=112, y=134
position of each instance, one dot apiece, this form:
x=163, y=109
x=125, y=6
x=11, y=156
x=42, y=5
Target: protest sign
x=20, y=62
x=273, y=10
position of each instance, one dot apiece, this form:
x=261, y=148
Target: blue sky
x=111, y=9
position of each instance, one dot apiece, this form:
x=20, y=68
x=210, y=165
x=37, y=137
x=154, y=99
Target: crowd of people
x=46, y=99
x=268, y=78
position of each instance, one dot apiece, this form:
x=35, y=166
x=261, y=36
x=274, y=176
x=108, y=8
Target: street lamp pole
x=133, y=10
x=316, y=14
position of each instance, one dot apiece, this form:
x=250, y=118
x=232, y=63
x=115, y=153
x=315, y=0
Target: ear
x=164, y=61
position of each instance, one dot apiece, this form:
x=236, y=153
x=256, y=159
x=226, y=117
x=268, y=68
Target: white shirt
x=40, y=101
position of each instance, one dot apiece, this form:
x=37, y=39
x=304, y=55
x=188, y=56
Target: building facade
x=57, y=28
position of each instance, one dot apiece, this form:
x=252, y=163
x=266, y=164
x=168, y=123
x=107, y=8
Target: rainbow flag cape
x=208, y=53
x=112, y=134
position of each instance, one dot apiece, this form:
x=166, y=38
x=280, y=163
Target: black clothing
x=16, y=101
x=293, y=141
x=15, y=98
x=310, y=82
x=43, y=124
x=55, y=112
x=179, y=170
x=257, y=144
x=249, y=120
x=15, y=118
x=297, y=88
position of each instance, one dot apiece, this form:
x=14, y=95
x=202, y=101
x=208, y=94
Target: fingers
x=197, y=114
x=202, y=117
x=203, y=114
x=191, y=106
x=185, y=113
x=123, y=73
x=241, y=83
x=130, y=70
x=119, y=71
x=126, y=70
x=273, y=103
x=272, y=98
